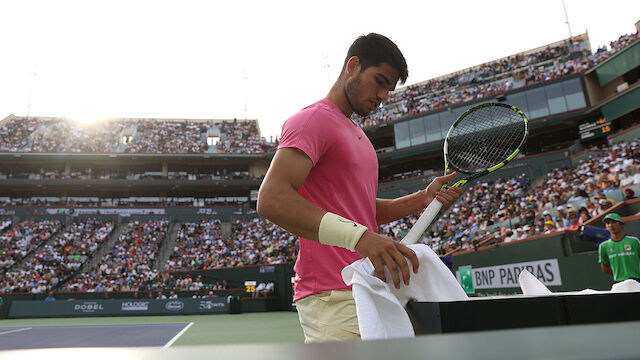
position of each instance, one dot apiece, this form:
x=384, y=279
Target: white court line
x=166, y=346
x=14, y=331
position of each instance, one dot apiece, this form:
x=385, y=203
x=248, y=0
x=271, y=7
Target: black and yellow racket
x=481, y=141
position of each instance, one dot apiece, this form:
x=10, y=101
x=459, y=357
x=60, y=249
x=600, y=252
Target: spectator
x=270, y=288
x=50, y=297
x=620, y=254
x=549, y=227
x=629, y=194
x=260, y=289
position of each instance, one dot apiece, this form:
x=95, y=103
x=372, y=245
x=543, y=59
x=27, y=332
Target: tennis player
x=322, y=186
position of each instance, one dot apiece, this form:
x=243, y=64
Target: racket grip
x=423, y=223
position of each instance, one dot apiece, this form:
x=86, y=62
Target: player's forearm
x=606, y=269
x=388, y=210
x=288, y=209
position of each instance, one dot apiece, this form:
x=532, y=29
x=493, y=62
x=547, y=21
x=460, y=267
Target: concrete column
x=165, y=169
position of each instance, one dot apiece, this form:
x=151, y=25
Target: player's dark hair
x=374, y=50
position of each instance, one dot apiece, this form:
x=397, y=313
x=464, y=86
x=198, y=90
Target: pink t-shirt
x=343, y=180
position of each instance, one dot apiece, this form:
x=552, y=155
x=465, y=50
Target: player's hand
x=383, y=251
x=446, y=196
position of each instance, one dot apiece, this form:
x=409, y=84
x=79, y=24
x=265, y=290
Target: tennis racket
x=481, y=141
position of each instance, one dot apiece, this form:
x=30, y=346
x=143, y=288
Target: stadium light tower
x=566, y=18
x=245, y=81
x=32, y=75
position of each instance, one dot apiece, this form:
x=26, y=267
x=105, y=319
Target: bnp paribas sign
x=506, y=276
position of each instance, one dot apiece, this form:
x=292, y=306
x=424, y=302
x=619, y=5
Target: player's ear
x=353, y=67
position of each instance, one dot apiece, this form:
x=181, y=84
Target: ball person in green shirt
x=620, y=255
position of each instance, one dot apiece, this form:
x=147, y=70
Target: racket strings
x=485, y=137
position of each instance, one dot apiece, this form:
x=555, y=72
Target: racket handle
x=423, y=223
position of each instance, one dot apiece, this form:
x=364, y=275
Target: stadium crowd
x=129, y=262
x=489, y=212
x=141, y=136
x=19, y=240
x=158, y=137
x=242, y=137
x=66, y=136
x=492, y=78
x=511, y=209
x=57, y=261
x=201, y=245
x=196, y=246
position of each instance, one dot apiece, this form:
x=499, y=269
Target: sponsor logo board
x=506, y=276
x=174, y=305
x=135, y=306
x=88, y=307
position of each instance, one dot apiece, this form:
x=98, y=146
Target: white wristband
x=338, y=231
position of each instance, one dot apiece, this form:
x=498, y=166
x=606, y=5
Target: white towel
x=530, y=285
x=380, y=306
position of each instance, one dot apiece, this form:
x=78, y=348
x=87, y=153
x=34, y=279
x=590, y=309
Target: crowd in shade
x=490, y=79
x=252, y=242
x=197, y=245
x=59, y=259
x=147, y=136
x=130, y=261
x=506, y=210
x=259, y=241
x=19, y=240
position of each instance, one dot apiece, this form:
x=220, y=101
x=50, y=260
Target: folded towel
x=380, y=306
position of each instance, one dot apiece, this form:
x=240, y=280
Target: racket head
x=484, y=139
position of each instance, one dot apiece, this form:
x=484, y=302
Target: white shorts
x=328, y=316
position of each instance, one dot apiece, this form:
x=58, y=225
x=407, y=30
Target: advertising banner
x=117, y=307
x=506, y=276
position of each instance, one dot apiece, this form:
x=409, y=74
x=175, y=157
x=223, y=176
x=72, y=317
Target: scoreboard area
x=594, y=129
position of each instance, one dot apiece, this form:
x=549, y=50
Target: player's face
x=367, y=89
x=613, y=226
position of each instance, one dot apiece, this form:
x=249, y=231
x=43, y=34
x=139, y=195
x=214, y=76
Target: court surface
x=154, y=331
x=134, y=335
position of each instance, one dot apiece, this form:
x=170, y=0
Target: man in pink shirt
x=322, y=186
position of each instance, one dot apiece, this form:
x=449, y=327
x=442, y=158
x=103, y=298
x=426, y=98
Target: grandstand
x=133, y=206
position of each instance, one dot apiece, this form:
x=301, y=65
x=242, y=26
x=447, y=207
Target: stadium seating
x=489, y=212
x=129, y=262
x=492, y=78
x=252, y=242
x=19, y=240
x=144, y=136
x=565, y=199
x=58, y=260
x=197, y=245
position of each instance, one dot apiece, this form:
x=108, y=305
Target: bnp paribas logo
x=466, y=279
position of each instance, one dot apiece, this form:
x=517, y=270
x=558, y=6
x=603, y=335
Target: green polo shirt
x=622, y=256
